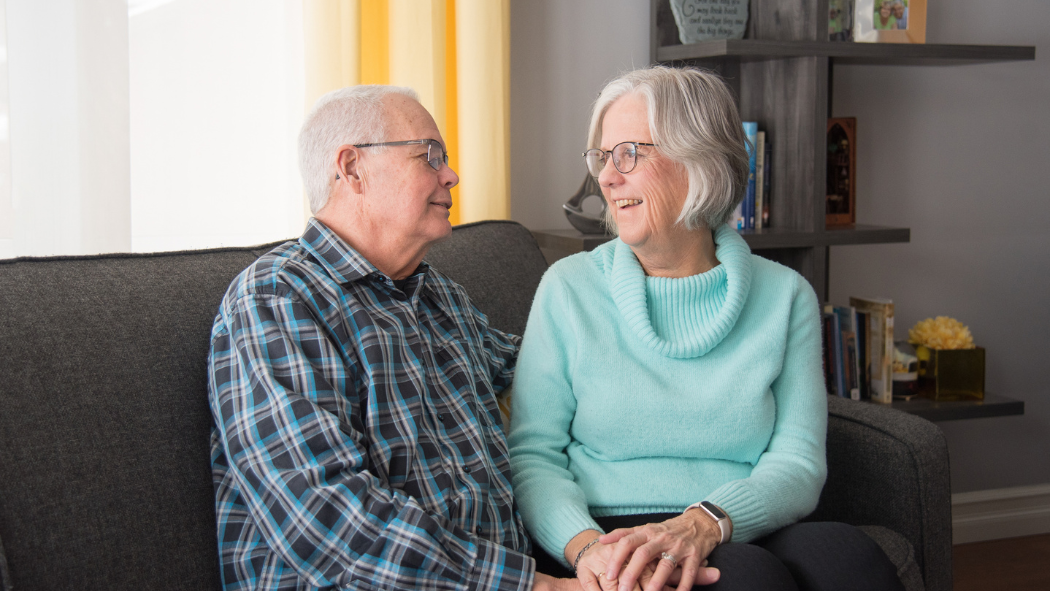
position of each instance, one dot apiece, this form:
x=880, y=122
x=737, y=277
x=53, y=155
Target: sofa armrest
x=890, y=468
x=5, y=577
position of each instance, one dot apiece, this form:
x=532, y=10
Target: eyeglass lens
x=436, y=155
x=624, y=155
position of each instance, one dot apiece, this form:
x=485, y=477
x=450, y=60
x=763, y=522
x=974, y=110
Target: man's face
x=405, y=200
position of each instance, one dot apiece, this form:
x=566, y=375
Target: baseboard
x=1000, y=513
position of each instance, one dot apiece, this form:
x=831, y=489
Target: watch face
x=714, y=510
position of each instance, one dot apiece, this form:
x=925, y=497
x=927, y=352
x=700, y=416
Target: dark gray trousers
x=814, y=556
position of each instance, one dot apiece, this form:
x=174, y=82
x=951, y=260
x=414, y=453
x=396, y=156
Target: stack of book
x=858, y=349
x=753, y=211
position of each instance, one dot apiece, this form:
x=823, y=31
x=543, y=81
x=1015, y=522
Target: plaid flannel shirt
x=357, y=441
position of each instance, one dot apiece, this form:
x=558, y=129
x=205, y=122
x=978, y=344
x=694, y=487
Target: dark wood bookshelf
x=993, y=405
x=573, y=241
x=782, y=76
x=844, y=52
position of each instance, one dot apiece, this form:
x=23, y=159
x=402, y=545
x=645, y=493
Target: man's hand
x=544, y=582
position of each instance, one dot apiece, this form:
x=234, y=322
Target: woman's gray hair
x=352, y=115
x=695, y=123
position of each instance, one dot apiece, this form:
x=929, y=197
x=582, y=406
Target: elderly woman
x=669, y=383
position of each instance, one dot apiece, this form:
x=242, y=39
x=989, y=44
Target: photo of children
x=883, y=21
x=891, y=14
x=840, y=17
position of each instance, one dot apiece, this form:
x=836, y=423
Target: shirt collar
x=342, y=262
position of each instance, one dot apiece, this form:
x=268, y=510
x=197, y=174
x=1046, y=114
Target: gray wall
x=562, y=53
x=960, y=154
x=956, y=153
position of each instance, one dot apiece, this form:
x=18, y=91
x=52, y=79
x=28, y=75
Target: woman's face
x=646, y=201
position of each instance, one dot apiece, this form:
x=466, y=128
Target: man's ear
x=349, y=170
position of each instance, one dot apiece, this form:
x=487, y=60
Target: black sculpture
x=583, y=222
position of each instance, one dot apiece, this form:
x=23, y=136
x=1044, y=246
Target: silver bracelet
x=579, y=555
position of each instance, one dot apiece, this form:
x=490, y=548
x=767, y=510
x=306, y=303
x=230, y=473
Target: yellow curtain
x=454, y=53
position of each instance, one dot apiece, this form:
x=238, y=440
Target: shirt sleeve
x=501, y=352
x=284, y=398
x=553, y=507
x=786, y=482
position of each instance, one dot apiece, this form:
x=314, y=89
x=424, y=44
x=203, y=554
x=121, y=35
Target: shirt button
x=481, y=531
x=466, y=469
x=441, y=417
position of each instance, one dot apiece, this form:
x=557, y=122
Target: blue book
x=767, y=184
x=836, y=351
x=751, y=132
x=847, y=327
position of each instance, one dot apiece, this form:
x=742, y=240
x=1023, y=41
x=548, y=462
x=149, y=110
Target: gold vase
x=951, y=374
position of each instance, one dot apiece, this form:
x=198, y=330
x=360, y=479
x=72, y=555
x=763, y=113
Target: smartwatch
x=720, y=517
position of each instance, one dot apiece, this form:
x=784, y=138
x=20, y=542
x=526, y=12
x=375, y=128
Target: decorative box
x=951, y=374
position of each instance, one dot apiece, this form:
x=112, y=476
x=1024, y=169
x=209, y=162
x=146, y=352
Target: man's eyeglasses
x=436, y=155
x=624, y=157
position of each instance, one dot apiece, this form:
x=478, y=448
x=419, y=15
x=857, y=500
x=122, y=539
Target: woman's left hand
x=689, y=538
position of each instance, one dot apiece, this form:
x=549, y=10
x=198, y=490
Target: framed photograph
x=840, y=20
x=889, y=21
x=840, y=206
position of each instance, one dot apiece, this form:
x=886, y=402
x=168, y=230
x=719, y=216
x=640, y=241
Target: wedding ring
x=666, y=556
x=601, y=574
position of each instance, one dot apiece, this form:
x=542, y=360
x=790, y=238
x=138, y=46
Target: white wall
x=216, y=104
x=956, y=153
x=68, y=83
x=562, y=53
x=959, y=154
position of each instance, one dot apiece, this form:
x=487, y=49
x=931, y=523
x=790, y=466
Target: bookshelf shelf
x=993, y=405
x=772, y=238
x=572, y=241
x=846, y=52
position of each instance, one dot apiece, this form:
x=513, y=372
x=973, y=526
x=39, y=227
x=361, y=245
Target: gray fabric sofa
x=104, y=461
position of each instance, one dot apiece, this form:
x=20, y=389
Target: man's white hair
x=352, y=115
x=695, y=123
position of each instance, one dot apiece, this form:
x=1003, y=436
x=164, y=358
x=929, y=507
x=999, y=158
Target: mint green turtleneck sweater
x=637, y=394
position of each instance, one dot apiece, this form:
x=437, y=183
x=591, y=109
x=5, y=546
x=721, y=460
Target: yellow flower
x=941, y=333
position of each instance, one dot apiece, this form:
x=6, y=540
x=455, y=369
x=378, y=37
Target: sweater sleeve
x=552, y=505
x=786, y=482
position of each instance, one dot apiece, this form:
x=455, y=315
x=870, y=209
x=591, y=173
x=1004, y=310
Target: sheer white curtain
x=150, y=124
x=216, y=104
x=7, y=211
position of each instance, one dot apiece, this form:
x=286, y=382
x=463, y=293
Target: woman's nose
x=609, y=174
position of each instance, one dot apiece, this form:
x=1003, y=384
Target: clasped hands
x=631, y=559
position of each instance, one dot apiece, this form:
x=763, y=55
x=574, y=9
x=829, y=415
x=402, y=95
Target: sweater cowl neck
x=681, y=317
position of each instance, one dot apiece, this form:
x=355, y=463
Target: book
x=846, y=318
x=760, y=175
x=826, y=326
x=767, y=183
x=880, y=345
x=751, y=132
x=855, y=361
x=835, y=344
x=863, y=355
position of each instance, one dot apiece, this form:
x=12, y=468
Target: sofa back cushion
x=105, y=481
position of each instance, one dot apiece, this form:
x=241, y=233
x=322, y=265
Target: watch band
x=725, y=525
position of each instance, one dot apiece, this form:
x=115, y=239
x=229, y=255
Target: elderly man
x=357, y=441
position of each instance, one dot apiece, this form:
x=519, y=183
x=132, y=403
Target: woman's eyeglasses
x=624, y=157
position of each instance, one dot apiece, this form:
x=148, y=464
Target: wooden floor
x=1015, y=564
